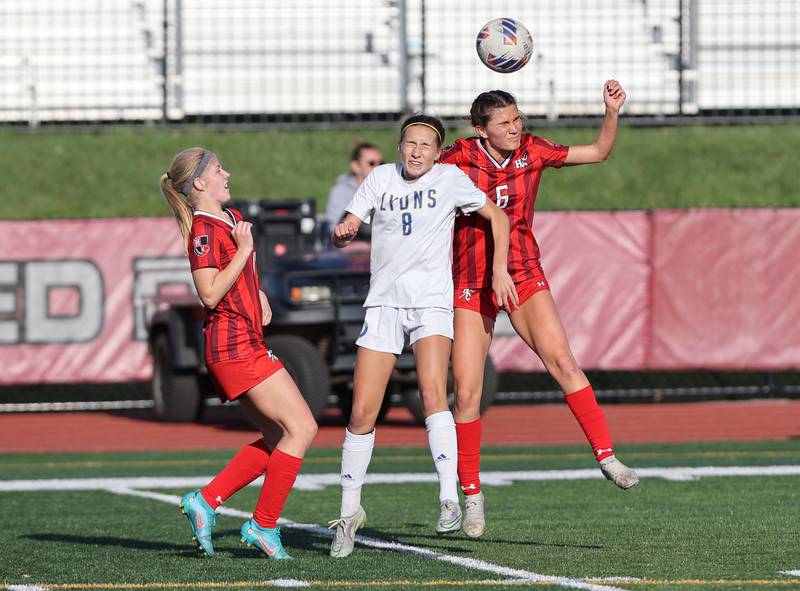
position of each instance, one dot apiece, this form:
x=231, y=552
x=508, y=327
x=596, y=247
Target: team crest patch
x=200, y=245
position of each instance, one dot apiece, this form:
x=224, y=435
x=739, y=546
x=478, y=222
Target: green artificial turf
x=707, y=533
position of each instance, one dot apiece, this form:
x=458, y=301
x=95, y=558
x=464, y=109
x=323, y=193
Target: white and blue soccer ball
x=504, y=45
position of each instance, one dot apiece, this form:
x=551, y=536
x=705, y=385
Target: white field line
x=470, y=563
x=75, y=406
x=127, y=486
x=26, y=588
x=320, y=481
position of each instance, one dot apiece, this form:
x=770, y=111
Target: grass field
x=115, y=172
x=554, y=523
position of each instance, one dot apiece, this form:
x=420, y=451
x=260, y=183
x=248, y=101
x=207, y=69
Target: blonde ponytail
x=180, y=209
x=182, y=169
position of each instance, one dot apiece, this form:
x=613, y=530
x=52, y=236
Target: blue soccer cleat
x=202, y=519
x=266, y=539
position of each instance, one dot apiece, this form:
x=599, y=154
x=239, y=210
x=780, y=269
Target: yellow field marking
x=114, y=463
x=715, y=454
x=409, y=583
x=705, y=582
x=421, y=457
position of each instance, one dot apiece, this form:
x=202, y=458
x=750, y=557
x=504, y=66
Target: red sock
x=281, y=473
x=583, y=405
x=248, y=464
x=469, y=456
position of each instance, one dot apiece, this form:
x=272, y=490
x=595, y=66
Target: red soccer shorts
x=482, y=299
x=234, y=377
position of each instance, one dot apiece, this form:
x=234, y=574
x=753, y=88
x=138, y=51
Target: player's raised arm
x=211, y=283
x=600, y=149
x=344, y=233
x=502, y=284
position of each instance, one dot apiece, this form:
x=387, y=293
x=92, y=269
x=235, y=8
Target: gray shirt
x=339, y=196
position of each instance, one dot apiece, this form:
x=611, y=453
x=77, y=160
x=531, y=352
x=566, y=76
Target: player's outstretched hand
x=613, y=95
x=344, y=233
x=243, y=236
x=504, y=291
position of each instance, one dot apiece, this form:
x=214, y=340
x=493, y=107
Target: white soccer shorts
x=385, y=329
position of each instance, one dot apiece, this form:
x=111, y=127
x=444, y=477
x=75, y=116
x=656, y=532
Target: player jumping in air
x=220, y=249
x=411, y=207
x=507, y=164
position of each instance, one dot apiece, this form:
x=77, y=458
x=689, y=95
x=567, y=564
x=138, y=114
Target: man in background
x=363, y=159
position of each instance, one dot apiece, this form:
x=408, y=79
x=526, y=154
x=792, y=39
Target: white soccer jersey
x=412, y=233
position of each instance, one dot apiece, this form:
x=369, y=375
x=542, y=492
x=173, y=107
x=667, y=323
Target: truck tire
x=414, y=404
x=345, y=394
x=176, y=396
x=304, y=363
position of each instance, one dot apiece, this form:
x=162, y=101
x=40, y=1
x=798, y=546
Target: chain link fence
x=370, y=61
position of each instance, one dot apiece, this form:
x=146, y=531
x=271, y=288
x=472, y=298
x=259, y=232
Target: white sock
x=356, y=454
x=444, y=451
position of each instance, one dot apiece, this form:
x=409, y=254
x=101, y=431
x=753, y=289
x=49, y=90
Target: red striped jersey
x=511, y=184
x=233, y=329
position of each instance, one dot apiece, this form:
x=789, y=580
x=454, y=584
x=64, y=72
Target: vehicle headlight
x=310, y=294
x=307, y=225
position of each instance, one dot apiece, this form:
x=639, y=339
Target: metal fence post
x=687, y=55
x=177, y=89
x=164, y=64
x=403, y=50
x=423, y=56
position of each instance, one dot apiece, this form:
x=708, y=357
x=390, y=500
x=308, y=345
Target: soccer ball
x=504, y=45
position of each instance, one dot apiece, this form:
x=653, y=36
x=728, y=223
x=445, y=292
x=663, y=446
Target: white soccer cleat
x=345, y=537
x=619, y=473
x=449, y=517
x=474, y=521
